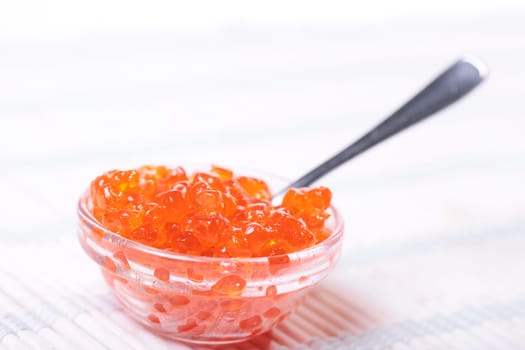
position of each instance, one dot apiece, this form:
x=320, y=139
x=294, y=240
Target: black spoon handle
x=447, y=88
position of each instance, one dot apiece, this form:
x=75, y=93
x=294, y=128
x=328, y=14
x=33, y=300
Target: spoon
x=454, y=83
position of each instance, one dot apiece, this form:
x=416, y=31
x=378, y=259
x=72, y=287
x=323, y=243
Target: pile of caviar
x=209, y=213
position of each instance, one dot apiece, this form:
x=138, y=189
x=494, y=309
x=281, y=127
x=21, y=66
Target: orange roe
x=215, y=213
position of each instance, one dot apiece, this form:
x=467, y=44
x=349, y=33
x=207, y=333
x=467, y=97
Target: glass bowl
x=207, y=300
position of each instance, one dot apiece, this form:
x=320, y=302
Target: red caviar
x=215, y=213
